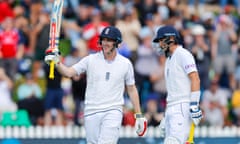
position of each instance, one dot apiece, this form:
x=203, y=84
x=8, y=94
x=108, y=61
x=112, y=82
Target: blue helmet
x=111, y=33
x=166, y=31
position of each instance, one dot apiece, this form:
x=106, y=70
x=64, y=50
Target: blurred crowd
x=209, y=29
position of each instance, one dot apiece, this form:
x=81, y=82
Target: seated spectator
x=6, y=85
x=214, y=105
x=29, y=98
x=153, y=116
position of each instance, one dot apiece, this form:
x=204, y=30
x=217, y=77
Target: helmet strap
x=168, y=42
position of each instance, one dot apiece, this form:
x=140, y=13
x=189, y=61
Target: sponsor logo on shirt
x=190, y=66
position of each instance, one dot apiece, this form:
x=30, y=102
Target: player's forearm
x=66, y=71
x=133, y=94
x=195, y=81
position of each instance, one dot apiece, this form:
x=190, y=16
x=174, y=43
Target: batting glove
x=140, y=124
x=52, y=56
x=162, y=127
x=195, y=112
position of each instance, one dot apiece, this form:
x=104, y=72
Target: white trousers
x=177, y=118
x=103, y=127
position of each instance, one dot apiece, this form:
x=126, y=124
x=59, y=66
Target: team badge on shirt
x=107, y=76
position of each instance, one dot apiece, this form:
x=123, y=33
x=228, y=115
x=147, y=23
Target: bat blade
x=54, y=34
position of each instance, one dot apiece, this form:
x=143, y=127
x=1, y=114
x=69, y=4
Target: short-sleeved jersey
x=9, y=41
x=105, y=81
x=177, y=68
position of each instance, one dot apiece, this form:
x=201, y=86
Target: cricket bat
x=191, y=134
x=54, y=33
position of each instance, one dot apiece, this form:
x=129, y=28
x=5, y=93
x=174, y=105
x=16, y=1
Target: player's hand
x=196, y=113
x=51, y=55
x=162, y=127
x=140, y=124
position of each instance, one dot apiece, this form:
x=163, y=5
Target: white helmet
x=198, y=30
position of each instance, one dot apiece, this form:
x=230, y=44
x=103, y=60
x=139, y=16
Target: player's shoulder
x=183, y=51
x=94, y=55
x=123, y=59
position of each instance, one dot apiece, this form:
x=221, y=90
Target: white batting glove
x=162, y=127
x=195, y=112
x=52, y=56
x=140, y=124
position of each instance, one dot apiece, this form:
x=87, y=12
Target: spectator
x=6, y=10
x=53, y=104
x=152, y=115
x=224, y=3
x=163, y=9
x=200, y=48
x=11, y=47
x=30, y=95
x=74, y=28
x=199, y=8
x=145, y=63
x=22, y=24
x=214, y=105
x=40, y=42
x=130, y=33
x=222, y=51
x=6, y=86
x=92, y=30
x=70, y=9
x=122, y=6
x=146, y=7
x=109, y=12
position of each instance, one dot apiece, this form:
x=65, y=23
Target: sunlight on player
x=183, y=87
x=108, y=73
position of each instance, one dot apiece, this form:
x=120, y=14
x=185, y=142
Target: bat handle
x=51, y=73
x=191, y=134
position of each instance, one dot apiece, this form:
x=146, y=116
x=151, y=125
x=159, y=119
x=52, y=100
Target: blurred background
x=209, y=29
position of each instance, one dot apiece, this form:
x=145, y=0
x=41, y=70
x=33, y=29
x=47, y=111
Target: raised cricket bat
x=54, y=34
x=191, y=134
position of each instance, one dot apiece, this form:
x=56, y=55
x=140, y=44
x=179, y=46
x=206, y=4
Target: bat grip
x=191, y=134
x=51, y=72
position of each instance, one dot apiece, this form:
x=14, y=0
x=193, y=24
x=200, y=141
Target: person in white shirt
x=108, y=73
x=6, y=85
x=183, y=87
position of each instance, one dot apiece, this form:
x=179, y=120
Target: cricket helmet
x=165, y=32
x=111, y=33
x=168, y=36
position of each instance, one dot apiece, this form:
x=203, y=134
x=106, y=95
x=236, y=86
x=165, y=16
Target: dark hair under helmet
x=166, y=31
x=111, y=33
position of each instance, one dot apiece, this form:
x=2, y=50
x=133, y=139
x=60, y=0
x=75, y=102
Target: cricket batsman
x=183, y=87
x=108, y=74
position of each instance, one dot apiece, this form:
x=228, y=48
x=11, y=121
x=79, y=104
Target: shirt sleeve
x=188, y=62
x=129, y=78
x=81, y=66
